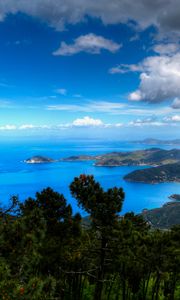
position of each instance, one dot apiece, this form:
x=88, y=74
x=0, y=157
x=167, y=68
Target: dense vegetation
x=164, y=217
x=153, y=156
x=45, y=253
x=175, y=197
x=166, y=173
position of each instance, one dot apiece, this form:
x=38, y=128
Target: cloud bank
x=164, y=14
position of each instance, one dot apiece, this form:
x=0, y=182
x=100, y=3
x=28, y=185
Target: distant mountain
x=158, y=142
x=165, y=217
x=165, y=173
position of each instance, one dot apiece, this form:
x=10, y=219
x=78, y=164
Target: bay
x=24, y=180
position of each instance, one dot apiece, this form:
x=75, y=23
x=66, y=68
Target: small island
x=38, y=160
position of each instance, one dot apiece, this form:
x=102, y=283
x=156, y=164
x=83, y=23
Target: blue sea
x=24, y=180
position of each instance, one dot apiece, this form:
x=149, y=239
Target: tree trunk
x=100, y=275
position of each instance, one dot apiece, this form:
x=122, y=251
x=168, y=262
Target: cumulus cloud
x=176, y=103
x=86, y=122
x=159, y=80
x=89, y=43
x=164, y=14
x=175, y=118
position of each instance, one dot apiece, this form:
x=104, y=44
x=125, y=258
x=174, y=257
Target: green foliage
x=45, y=252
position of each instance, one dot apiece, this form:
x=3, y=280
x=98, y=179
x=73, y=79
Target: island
x=164, y=217
x=38, y=160
x=165, y=173
x=150, y=157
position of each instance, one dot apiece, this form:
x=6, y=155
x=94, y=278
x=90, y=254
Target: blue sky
x=105, y=69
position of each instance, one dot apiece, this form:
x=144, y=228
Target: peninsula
x=165, y=173
x=150, y=157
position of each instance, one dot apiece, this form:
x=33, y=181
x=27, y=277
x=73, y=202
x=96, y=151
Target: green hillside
x=166, y=173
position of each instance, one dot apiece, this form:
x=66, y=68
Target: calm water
x=18, y=178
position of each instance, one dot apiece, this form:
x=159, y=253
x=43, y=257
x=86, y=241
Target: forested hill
x=153, y=156
x=46, y=253
x=165, y=217
x=166, y=173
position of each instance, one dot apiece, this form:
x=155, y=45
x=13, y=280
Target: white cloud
x=167, y=49
x=86, y=122
x=31, y=126
x=111, y=108
x=176, y=103
x=61, y=91
x=89, y=122
x=124, y=68
x=135, y=96
x=8, y=127
x=159, y=80
x=91, y=106
x=69, y=107
x=27, y=126
x=23, y=127
x=175, y=118
x=89, y=43
x=150, y=121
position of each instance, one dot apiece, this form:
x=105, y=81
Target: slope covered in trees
x=166, y=173
x=164, y=217
x=45, y=253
